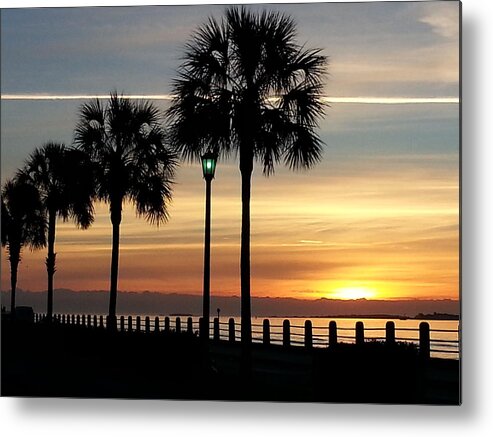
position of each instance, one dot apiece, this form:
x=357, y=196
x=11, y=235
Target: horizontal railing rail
x=430, y=342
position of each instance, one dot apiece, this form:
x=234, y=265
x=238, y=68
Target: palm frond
x=304, y=151
x=23, y=216
x=246, y=83
x=129, y=154
x=64, y=180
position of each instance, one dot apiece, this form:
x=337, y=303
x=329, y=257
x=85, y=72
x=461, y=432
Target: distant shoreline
x=438, y=316
x=153, y=303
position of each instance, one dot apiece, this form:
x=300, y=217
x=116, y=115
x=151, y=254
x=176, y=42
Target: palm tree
x=126, y=142
x=63, y=177
x=246, y=87
x=23, y=224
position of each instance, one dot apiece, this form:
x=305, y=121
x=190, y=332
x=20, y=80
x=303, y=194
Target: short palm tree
x=126, y=142
x=63, y=177
x=247, y=87
x=23, y=224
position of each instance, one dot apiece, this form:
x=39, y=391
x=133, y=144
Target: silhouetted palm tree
x=126, y=142
x=247, y=87
x=23, y=224
x=64, y=179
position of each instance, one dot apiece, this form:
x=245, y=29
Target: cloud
x=443, y=18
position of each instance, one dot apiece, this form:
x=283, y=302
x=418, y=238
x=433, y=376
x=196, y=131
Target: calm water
x=444, y=334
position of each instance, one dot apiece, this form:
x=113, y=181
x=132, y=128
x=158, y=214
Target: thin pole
x=207, y=263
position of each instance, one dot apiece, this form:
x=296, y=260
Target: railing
x=308, y=336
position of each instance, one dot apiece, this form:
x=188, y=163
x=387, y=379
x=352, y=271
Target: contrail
x=327, y=99
x=80, y=96
x=391, y=100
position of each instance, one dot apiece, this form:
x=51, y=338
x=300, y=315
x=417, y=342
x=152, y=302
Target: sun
x=349, y=293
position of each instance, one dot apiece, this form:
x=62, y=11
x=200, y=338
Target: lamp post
x=209, y=160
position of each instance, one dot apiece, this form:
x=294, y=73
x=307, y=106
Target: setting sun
x=353, y=293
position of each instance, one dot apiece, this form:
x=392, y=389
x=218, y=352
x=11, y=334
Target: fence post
x=95, y=321
x=390, y=333
x=137, y=324
x=424, y=340
x=266, y=332
x=88, y=321
x=178, y=325
x=202, y=334
x=78, y=319
x=83, y=320
x=360, y=333
x=147, y=325
x=216, y=329
x=166, y=324
x=332, y=333
x=308, y=334
x=190, y=326
x=231, y=327
x=286, y=333
x=156, y=324
x=63, y=319
x=122, y=324
x=101, y=321
x=129, y=324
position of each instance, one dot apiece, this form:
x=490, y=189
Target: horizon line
x=372, y=100
x=237, y=296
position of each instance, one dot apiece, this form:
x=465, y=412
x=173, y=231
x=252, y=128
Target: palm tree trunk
x=246, y=169
x=116, y=218
x=14, y=257
x=50, y=262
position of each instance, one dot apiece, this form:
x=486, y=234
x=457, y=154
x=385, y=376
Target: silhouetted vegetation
x=437, y=316
x=246, y=87
x=63, y=178
x=125, y=140
x=23, y=224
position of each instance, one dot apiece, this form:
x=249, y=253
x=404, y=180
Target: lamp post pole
x=206, y=304
x=209, y=160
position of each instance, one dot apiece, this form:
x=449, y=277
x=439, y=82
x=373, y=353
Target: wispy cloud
x=357, y=99
x=443, y=18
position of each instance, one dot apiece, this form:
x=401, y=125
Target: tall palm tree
x=245, y=86
x=63, y=177
x=23, y=224
x=126, y=142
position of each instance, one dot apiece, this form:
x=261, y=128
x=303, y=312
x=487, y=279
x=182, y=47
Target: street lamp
x=209, y=160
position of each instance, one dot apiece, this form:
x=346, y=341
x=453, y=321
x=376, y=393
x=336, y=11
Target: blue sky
x=376, y=49
x=396, y=49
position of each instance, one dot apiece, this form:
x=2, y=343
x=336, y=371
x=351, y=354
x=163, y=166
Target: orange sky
x=376, y=226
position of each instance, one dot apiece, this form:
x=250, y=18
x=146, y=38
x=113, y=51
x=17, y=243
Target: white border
x=57, y=417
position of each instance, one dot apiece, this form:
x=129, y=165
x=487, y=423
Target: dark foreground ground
x=70, y=361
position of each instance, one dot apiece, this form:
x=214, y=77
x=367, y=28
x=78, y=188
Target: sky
x=377, y=218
